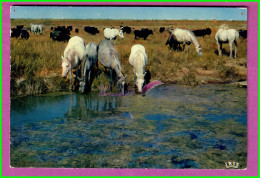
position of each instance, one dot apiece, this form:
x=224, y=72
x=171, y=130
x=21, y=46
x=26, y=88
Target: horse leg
x=231, y=49
x=77, y=74
x=89, y=81
x=89, y=73
x=111, y=78
x=115, y=39
x=188, y=51
x=235, y=56
x=70, y=88
x=134, y=75
x=219, y=48
x=77, y=78
x=183, y=47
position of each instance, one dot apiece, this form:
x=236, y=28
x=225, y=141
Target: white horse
x=108, y=57
x=138, y=59
x=225, y=35
x=184, y=37
x=87, y=65
x=111, y=34
x=74, y=54
x=36, y=28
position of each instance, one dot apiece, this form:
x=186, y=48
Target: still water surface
x=171, y=127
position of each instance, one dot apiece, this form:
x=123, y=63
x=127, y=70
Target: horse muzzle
x=199, y=54
x=122, y=91
x=139, y=92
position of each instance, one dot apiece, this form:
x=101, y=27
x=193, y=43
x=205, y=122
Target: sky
x=112, y=12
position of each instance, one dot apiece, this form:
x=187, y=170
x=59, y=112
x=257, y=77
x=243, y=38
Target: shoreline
x=237, y=83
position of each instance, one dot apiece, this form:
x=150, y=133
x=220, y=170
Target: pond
x=172, y=127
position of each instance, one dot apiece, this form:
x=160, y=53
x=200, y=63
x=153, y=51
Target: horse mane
x=116, y=61
x=223, y=26
x=68, y=52
x=139, y=63
x=70, y=56
x=192, y=34
x=194, y=39
x=116, y=65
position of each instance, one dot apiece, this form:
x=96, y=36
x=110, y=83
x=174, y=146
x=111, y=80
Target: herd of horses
x=77, y=53
x=108, y=56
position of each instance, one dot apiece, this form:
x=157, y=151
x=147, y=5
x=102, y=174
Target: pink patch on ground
x=151, y=85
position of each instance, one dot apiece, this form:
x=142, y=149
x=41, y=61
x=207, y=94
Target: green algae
x=171, y=127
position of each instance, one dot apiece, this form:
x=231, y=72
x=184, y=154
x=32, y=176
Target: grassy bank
x=36, y=62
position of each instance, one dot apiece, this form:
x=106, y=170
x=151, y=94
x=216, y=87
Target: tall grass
x=36, y=62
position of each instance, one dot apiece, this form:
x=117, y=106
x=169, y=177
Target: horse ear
x=62, y=57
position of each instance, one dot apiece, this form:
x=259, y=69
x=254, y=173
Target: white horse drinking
x=111, y=34
x=138, y=59
x=87, y=66
x=184, y=37
x=74, y=54
x=226, y=35
x=108, y=57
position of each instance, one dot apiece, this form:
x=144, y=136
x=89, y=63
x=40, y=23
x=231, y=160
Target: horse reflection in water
x=90, y=106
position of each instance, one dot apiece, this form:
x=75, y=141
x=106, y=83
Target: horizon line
x=122, y=19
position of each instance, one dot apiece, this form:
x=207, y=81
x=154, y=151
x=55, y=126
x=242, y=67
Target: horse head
x=121, y=34
x=170, y=29
x=121, y=83
x=199, y=50
x=140, y=82
x=66, y=67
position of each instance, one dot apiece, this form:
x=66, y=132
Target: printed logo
x=232, y=164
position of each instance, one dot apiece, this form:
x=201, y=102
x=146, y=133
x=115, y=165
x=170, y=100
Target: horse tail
x=236, y=38
x=168, y=40
x=223, y=26
x=97, y=48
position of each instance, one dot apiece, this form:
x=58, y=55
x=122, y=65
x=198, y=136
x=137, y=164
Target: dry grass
x=38, y=58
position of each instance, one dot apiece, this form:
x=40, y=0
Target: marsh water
x=171, y=126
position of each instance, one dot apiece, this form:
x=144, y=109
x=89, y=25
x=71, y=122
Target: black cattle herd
x=91, y=30
x=19, y=31
x=143, y=33
x=62, y=33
